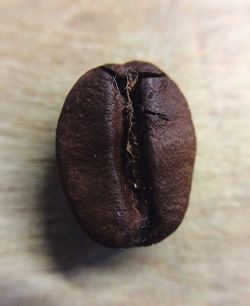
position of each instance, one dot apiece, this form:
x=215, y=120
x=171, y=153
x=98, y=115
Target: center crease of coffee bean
x=136, y=168
x=135, y=130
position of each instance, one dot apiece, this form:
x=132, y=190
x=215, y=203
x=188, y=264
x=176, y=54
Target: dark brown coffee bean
x=125, y=150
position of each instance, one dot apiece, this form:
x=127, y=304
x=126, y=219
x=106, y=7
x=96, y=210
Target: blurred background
x=45, y=259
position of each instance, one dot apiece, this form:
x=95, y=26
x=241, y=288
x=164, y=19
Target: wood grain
x=45, y=259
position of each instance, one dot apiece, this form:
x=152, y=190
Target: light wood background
x=45, y=259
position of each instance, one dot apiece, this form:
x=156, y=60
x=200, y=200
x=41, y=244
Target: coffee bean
x=125, y=149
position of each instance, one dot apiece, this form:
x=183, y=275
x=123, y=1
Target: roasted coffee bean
x=125, y=149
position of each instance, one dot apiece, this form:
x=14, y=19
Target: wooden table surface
x=45, y=259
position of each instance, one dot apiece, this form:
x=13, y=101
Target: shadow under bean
x=70, y=248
